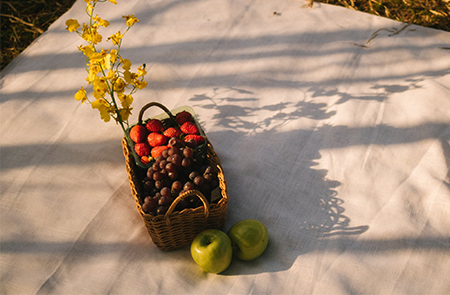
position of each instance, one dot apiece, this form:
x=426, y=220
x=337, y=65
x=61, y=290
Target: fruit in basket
x=249, y=239
x=172, y=132
x=175, y=172
x=157, y=151
x=212, y=250
x=182, y=117
x=198, y=138
x=142, y=149
x=154, y=125
x=138, y=133
x=156, y=139
x=189, y=128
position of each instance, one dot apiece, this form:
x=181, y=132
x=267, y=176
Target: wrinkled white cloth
x=333, y=127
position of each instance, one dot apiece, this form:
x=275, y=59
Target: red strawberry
x=156, y=139
x=145, y=160
x=200, y=139
x=157, y=150
x=142, y=149
x=182, y=117
x=172, y=132
x=189, y=128
x=138, y=133
x=154, y=125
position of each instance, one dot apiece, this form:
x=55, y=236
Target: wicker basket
x=177, y=229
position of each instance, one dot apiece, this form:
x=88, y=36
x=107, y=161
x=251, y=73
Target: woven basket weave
x=177, y=229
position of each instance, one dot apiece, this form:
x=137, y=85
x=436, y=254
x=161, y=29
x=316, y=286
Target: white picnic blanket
x=333, y=127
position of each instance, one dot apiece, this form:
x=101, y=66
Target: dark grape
x=149, y=207
x=193, y=175
x=157, y=197
x=165, y=201
x=165, y=153
x=209, y=170
x=177, y=185
x=150, y=173
x=157, y=176
x=170, y=167
x=174, y=151
x=174, y=142
x=162, y=164
x=188, y=186
x=159, y=159
x=173, y=175
x=159, y=184
x=208, y=178
x=176, y=159
x=161, y=210
x=192, y=143
x=199, y=180
x=165, y=192
x=186, y=162
x=148, y=185
x=155, y=167
x=188, y=152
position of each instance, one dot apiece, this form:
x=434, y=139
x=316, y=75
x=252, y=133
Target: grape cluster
x=179, y=169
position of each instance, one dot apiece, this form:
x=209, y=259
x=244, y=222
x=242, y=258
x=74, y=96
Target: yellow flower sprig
x=108, y=72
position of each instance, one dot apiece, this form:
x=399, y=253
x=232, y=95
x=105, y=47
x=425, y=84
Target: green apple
x=212, y=251
x=249, y=239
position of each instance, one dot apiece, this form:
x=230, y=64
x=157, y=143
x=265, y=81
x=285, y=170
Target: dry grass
x=428, y=13
x=22, y=21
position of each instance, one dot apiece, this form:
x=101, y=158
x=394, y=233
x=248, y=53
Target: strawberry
x=145, y=160
x=182, y=117
x=157, y=150
x=142, y=149
x=156, y=139
x=154, y=125
x=189, y=128
x=138, y=133
x=172, y=132
x=198, y=138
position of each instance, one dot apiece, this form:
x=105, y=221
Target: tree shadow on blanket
x=309, y=215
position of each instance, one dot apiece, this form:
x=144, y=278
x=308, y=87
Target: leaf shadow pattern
x=315, y=213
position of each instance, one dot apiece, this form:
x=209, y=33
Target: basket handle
x=183, y=195
x=150, y=104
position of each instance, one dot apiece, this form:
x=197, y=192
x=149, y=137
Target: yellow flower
x=127, y=76
x=126, y=64
x=113, y=53
x=72, y=25
x=131, y=19
x=101, y=22
x=141, y=71
x=125, y=100
x=89, y=7
x=90, y=34
x=119, y=85
x=125, y=113
x=81, y=95
x=103, y=107
x=140, y=84
x=113, y=1
x=116, y=38
x=111, y=75
x=100, y=87
x=87, y=50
